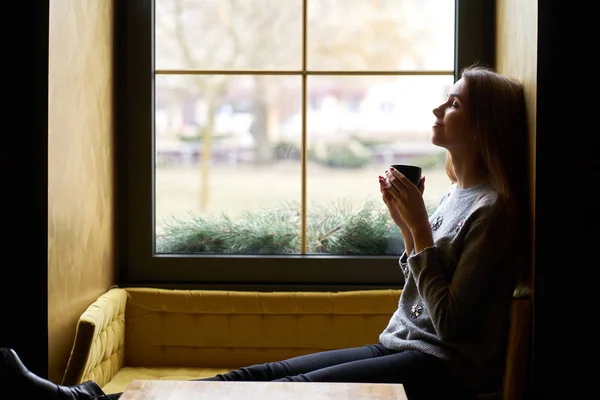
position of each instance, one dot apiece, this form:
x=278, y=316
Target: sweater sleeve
x=454, y=298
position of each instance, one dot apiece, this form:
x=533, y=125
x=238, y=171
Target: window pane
x=357, y=127
x=381, y=34
x=228, y=172
x=228, y=34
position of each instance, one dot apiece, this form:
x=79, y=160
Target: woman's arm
x=455, y=294
x=408, y=239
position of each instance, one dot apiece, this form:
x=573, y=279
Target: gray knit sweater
x=456, y=297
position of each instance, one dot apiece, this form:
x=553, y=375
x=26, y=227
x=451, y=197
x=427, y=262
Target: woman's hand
x=406, y=199
x=389, y=202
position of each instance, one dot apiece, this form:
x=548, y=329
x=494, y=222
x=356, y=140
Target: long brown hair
x=499, y=119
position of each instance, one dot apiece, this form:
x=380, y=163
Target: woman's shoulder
x=487, y=207
x=480, y=196
x=477, y=203
x=485, y=196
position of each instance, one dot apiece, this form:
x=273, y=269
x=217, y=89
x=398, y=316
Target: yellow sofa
x=150, y=333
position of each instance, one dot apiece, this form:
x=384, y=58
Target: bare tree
x=192, y=34
x=360, y=35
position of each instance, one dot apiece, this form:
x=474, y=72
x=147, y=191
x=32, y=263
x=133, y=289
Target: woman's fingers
x=391, y=190
x=397, y=179
x=382, y=183
x=383, y=188
x=386, y=186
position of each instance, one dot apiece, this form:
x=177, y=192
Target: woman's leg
x=294, y=366
x=17, y=382
x=423, y=376
x=301, y=365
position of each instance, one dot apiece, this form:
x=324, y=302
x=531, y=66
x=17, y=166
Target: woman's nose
x=438, y=112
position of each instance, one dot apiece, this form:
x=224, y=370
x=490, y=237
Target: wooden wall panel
x=517, y=52
x=81, y=259
x=517, y=55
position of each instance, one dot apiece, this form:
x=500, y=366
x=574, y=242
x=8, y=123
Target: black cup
x=412, y=172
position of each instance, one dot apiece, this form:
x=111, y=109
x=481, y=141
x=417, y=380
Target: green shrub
x=336, y=229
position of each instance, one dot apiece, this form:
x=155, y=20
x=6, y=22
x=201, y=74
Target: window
x=252, y=133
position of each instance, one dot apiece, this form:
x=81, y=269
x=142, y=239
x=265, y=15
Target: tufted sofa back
x=201, y=328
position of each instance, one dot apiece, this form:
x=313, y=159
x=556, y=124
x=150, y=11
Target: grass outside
x=238, y=188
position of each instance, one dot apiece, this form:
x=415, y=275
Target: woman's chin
x=436, y=142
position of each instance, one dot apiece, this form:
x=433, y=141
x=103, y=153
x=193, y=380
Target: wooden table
x=209, y=390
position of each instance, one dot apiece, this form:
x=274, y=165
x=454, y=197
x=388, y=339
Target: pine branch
x=339, y=229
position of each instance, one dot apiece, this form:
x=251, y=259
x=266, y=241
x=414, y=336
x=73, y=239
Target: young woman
x=462, y=265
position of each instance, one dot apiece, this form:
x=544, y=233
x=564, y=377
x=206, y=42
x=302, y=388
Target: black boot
x=18, y=383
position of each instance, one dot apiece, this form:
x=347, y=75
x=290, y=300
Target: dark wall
x=24, y=272
x=567, y=238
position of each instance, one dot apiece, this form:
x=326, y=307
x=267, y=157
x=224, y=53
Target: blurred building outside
x=395, y=114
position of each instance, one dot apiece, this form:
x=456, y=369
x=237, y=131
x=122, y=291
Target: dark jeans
x=423, y=376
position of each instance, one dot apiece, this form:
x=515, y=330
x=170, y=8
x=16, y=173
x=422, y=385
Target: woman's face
x=452, y=124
